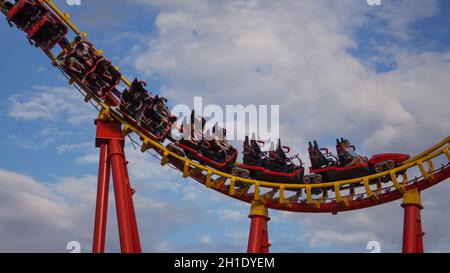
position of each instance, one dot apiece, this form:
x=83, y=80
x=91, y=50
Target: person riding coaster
x=97, y=83
x=157, y=117
x=347, y=155
x=47, y=32
x=102, y=79
x=24, y=13
x=214, y=146
x=81, y=58
x=210, y=148
x=135, y=98
x=85, y=51
x=193, y=137
x=220, y=147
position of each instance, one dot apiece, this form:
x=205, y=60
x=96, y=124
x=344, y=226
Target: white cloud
x=348, y=231
x=206, y=240
x=398, y=15
x=91, y=158
x=38, y=217
x=231, y=215
x=51, y=104
x=147, y=168
x=35, y=218
x=62, y=148
x=329, y=237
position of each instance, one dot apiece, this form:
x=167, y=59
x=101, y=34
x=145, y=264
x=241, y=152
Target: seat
x=25, y=13
x=252, y=153
x=256, y=150
x=320, y=158
x=47, y=32
x=222, y=140
x=158, y=113
x=281, y=155
x=278, y=161
x=103, y=78
x=135, y=98
x=96, y=83
x=158, y=119
x=80, y=58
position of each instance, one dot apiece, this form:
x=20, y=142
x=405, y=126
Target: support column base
x=412, y=225
x=258, y=241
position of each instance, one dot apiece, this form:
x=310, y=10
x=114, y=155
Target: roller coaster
x=266, y=180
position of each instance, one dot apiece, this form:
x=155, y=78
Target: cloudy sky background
x=377, y=75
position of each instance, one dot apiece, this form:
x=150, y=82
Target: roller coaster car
x=25, y=13
x=81, y=58
x=332, y=168
x=47, y=32
x=102, y=78
x=209, y=152
x=134, y=99
x=270, y=166
x=157, y=118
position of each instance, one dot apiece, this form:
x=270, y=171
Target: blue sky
x=377, y=75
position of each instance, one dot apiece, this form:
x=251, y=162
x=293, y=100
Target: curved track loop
x=418, y=172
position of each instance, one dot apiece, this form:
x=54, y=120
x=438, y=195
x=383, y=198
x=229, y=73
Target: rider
x=348, y=151
x=27, y=16
x=221, y=142
x=43, y=38
x=97, y=83
x=82, y=58
x=83, y=52
x=135, y=97
x=103, y=70
x=160, y=111
x=73, y=63
x=197, y=131
x=8, y=6
x=48, y=34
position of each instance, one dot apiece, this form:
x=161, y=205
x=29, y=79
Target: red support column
x=265, y=245
x=134, y=226
x=101, y=210
x=255, y=236
x=412, y=227
x=112, y=156
x=420, y=235
x=121, y=197
x=258, y=240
